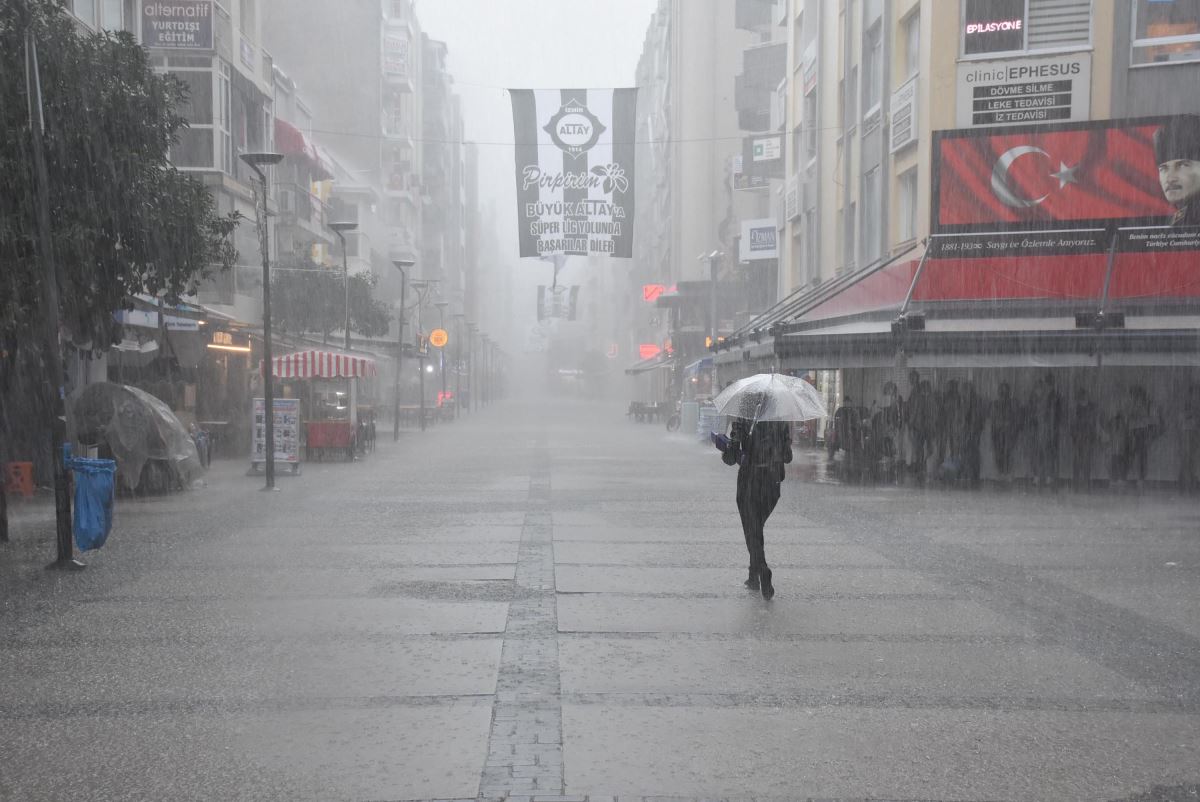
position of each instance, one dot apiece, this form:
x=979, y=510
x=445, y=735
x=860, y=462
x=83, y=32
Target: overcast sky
x=497, y=44
x=528, y=44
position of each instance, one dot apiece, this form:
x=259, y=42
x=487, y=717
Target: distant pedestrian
x=1189, y=464
x=949, y=432
x=1142, y=423
x=1084, y=428
x=1045, y=423
x=1006, y=428
x=760, y=450
x=974, y=417
x=923, y=424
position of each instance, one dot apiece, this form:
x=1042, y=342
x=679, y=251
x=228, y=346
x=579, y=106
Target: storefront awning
x=1032, y=305
x=653, y=363
x=291, y=141
x=315, y=364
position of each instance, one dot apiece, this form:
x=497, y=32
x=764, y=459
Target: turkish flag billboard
x=1069, y=175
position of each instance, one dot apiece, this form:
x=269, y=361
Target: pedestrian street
x=546, y=600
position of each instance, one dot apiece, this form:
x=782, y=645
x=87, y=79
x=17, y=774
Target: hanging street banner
x=575, y=171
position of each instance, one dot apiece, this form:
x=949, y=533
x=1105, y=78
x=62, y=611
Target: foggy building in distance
x=360, y=69
x=703, y=80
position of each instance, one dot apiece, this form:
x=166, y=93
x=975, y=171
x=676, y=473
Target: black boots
x=760, y=580
x=764, y=583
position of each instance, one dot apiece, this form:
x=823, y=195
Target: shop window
x=851, y=242
x=871, y=213
x=908, y=205
x=112, y=15
x=872, y=68
x=1166, y=31
x=247, y=17
x=197, y=106
x=85, y=10
x=193, y=148
x=810, y=125
x=911, y=27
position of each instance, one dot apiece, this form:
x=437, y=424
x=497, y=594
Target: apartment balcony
x=301, y=209
x=753, y=104
x=403, y=185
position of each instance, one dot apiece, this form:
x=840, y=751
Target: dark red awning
x=291, y=141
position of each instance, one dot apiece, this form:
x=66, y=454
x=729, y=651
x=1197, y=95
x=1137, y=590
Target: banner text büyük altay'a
x=574, y=170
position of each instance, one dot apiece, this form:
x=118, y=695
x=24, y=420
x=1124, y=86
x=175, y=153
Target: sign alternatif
x=575, y=171
x=178, y=24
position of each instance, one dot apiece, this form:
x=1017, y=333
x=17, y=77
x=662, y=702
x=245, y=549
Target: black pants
x=757, y=495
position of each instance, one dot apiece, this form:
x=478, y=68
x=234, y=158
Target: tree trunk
x=3, y=513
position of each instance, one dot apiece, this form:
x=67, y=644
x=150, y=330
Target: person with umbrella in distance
x=760, y=444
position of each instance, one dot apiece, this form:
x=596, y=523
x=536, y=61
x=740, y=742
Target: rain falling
x=581, y=400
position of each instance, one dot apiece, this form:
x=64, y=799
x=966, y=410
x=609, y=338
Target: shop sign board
x=650, y=292
x=993, y=26
x=762, y=155
x=1097, y=174
x=759, y=240
x=745, y=180
x=904, y=115
x=1024, y=91
x=287, y=430
x=149, y=320
x=178, y=24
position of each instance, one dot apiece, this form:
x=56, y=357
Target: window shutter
x=1059, y=23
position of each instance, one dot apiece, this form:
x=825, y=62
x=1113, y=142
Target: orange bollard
x=18, y=478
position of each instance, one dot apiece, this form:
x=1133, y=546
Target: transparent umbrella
x=771, y=396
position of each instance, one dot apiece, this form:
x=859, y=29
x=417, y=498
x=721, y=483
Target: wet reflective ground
x=546, y=600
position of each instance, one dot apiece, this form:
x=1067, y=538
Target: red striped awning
x=322, y=365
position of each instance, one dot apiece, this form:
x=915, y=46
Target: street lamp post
x=256, y=162
x=402, y=265
x=485, y=347
x=422, y=287
x=472, y=370
x=458, y=364
x=714, y=261
x=340, y=228
x=441, y=307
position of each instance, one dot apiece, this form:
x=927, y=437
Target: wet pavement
x=545, y=601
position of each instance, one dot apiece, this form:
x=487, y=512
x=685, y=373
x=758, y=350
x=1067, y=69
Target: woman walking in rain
x=760, y=444
x=760, y=450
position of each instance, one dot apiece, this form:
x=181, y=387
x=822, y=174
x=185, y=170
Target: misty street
x=546, y=599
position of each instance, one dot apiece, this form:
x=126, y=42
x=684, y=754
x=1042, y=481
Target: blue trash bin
x=95, y=492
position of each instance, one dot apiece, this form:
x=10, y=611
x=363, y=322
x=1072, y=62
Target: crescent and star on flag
x=1004, y=191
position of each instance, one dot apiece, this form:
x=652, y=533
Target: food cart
x=332, y=380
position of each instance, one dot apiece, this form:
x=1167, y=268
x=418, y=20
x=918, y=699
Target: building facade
x=905, y=254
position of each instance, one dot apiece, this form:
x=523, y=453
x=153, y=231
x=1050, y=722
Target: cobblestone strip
x=525, y=748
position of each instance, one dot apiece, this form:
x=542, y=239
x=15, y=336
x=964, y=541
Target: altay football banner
x=574, y=170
